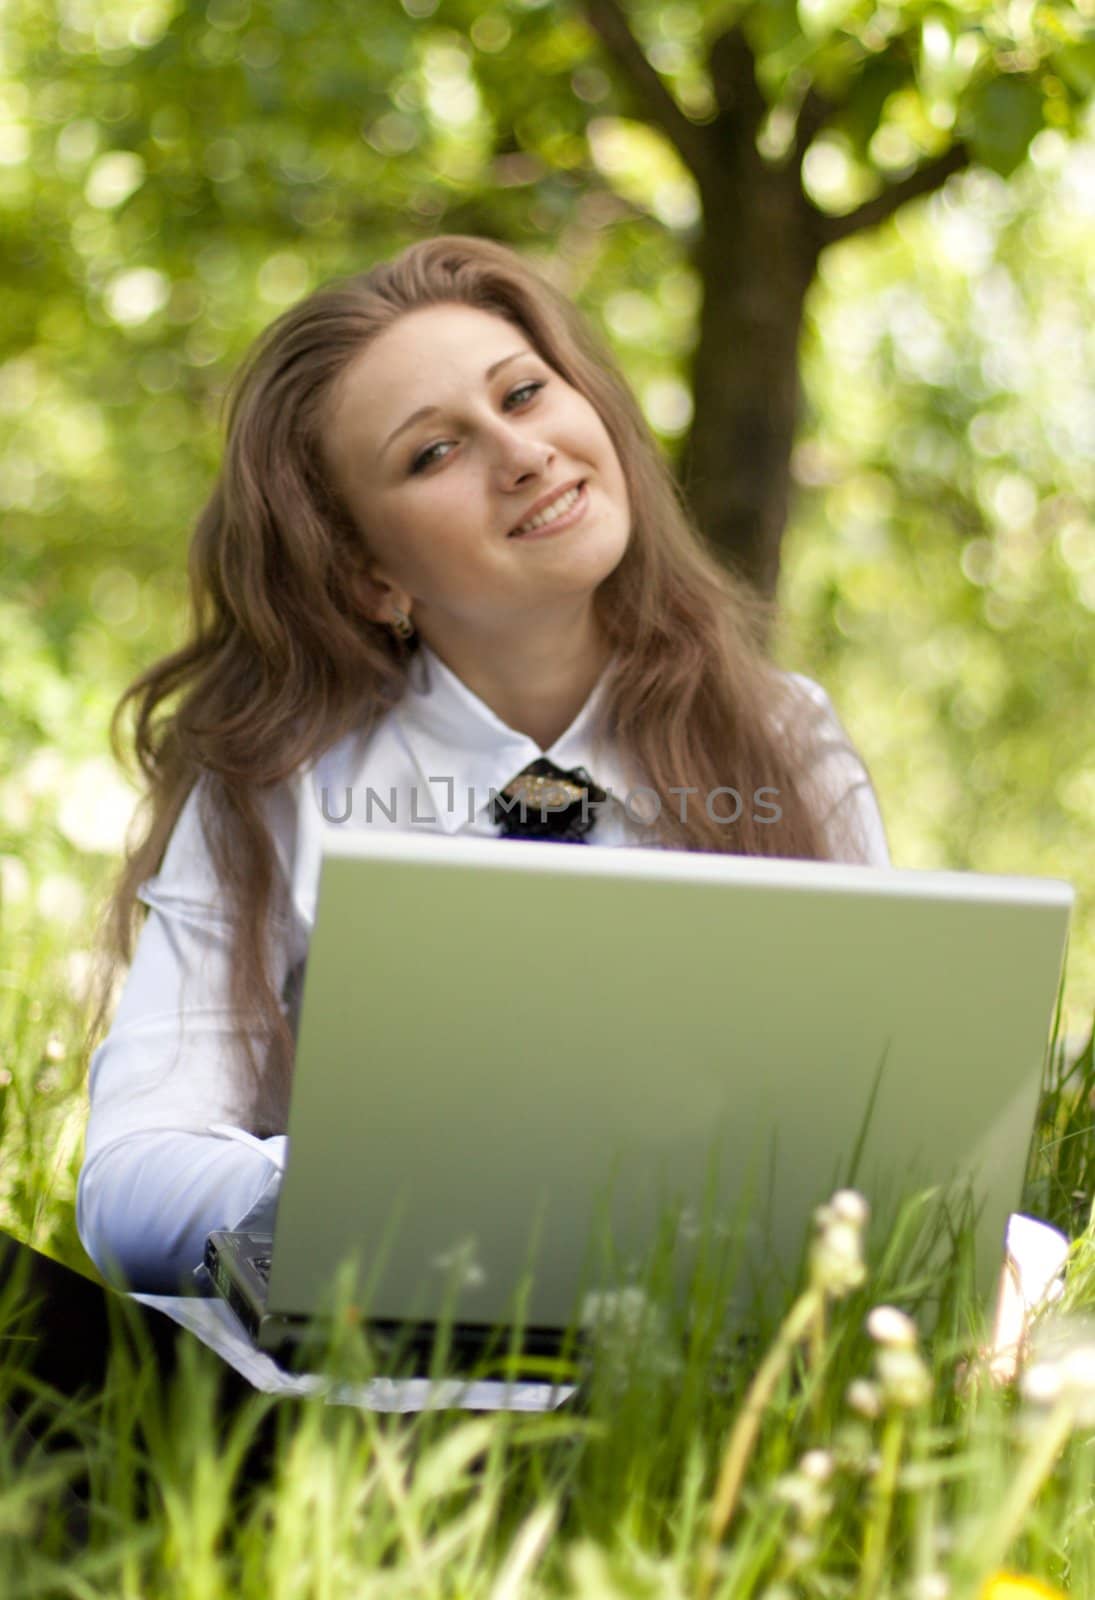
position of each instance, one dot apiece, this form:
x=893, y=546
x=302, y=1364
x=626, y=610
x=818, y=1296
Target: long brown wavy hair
x=280, y=664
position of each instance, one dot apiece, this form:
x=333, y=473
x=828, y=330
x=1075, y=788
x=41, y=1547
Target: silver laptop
x=516, y=1059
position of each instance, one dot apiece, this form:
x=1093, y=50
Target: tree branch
x=812, y=115
x=609, y=22
x=924, y=180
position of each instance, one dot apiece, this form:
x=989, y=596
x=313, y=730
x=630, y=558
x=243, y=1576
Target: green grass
x=887, y=1492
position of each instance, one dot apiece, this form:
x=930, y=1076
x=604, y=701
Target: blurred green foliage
x=173, y=175
x=910, y=77
x=940, y=571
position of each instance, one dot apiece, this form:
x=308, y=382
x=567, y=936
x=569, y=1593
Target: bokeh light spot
x=132, y=297
x=113, y=178
x=283, y=278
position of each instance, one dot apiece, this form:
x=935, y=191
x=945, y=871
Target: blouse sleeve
x=168, y=1156
x=841, y=787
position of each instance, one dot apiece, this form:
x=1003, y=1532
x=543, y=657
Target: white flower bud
x=889, y=1326
x=932, y=1586
x=799, y=1549
x=904, y=1379
x=817, y=1465
x=628, y=1335
x=806, y=1496
x=1042, y=1384
x=864, y=1396
x=795, y=1491
x=688, y=1227
x=836, y=1259
x=1063, y=1366
x=848, y=1205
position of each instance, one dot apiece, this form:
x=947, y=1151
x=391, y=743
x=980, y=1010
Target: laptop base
x=237, y=1264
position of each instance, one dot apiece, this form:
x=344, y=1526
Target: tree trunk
x=761, y=240
x=756, y=259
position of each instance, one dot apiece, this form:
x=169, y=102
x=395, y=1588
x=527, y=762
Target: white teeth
x=555, y=509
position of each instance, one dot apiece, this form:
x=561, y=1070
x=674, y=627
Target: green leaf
x=1076, y=65
x=1004, y=114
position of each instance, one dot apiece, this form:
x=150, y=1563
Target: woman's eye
x=521, y=388
x=425, y=458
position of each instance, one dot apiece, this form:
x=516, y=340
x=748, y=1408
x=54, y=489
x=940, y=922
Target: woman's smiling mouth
x=562, y=513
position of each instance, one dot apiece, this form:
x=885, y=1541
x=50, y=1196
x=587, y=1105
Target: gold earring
x=401, y=624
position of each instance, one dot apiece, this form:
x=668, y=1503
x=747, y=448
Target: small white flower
x=836, y=1259
x=622, y=1309
x=795, y=1491
x=629, y=1333
x=889, y=1326
x=932, y=1586
x=688, y=1226
x=848, y=1205
x=803, y=1491
x=836, y=1254
x=1063, y=1366
x=1042, y=1384
x=461, y=1262
x=799, y=1548
x=903, y=1378
x=865, y=1397
x=817, y=1466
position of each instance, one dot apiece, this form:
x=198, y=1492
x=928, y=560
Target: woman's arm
x=146, y=1204
x=847, y=804
x=156, y=1179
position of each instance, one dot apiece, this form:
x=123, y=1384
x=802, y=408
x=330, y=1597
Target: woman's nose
x=517, y=455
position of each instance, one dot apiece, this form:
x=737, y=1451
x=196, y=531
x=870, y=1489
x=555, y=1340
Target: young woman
x=444, y=547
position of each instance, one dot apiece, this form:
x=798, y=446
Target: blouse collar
x=453, y=735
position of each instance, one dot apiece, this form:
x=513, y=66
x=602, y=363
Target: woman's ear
x=375, y=595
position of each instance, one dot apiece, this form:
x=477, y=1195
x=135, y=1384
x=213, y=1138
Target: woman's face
x=437, y=496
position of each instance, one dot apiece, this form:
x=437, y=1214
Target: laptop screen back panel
x=492, y=1035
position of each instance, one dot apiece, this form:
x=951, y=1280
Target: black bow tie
x=544, y=802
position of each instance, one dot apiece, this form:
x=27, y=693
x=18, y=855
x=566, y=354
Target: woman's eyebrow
x=425, y=411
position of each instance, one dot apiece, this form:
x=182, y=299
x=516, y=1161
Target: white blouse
x=168, y=1156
